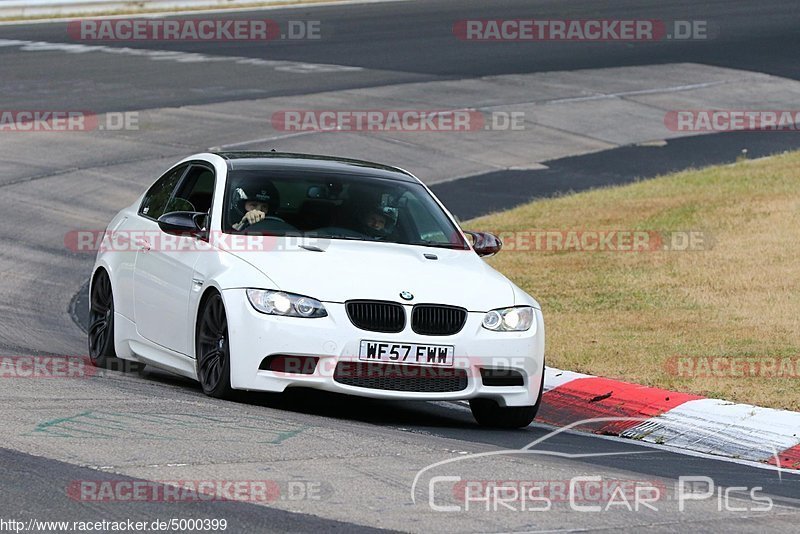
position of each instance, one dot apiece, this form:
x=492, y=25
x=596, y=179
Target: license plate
x=409, y=353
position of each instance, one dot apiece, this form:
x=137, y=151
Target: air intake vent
x=437, y=320
x=502, y=377
x=411, y=378
x=376, y=315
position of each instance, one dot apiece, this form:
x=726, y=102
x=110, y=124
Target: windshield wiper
x=438, y=244
x=340, y=236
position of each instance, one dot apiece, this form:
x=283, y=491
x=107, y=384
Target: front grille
x=376, y=315
x=413, y=378
x=437, y=320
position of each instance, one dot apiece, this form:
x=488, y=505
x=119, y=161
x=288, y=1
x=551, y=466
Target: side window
x=195, y=192
x=156, y=199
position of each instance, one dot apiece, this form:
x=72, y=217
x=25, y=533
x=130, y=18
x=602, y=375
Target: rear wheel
x=101, y=321
x=101, y=327
x=213, y=349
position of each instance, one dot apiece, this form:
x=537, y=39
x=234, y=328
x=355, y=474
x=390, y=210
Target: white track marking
x=738, y=430
x=294, y=67
x=655, y=90
x=674, y=449
x=554, y=378
x=261, y=140
x=741, y=432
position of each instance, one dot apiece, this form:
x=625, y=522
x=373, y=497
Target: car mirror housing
x=185, y=223
x=484, y=243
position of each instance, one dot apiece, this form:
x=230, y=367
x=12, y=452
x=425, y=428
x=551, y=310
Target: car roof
x=288, y=161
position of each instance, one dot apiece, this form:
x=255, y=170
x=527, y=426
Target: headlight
x=516, y=319
x=288, y=304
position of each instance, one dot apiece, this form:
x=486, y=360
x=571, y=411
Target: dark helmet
x=387, y=215
x=261, y=192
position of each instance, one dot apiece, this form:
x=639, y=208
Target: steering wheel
x=282, y=225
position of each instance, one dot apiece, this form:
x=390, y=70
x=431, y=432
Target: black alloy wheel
x=213, y=349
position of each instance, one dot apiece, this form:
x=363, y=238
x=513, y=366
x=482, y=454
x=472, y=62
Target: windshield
x=281, y=203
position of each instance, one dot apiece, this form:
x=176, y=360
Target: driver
x=376, y=223
x=254, y=204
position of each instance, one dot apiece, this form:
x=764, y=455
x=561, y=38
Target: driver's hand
x=252, y=217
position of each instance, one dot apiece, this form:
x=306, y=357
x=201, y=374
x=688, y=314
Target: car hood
x=349, y=270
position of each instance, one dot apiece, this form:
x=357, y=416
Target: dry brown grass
x=626, y=314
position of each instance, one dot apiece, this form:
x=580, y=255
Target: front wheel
x=212, y=349
x=488, y=413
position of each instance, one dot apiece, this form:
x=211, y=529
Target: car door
x=163, y=274
x=127, y=235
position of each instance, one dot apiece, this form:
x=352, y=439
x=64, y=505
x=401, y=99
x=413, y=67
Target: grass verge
x=719, y=318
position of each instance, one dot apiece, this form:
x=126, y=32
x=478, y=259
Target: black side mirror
x=184, y=223
x=484, y=243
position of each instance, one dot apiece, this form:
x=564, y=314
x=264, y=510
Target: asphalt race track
x=344, y=464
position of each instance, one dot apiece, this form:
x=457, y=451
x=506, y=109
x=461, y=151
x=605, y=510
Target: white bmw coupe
x=263, y=271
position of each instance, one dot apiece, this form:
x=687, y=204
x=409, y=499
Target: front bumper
x=333, y=339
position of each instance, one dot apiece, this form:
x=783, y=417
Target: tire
x=212, y=349
x=100, y=334
x=490, y=414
